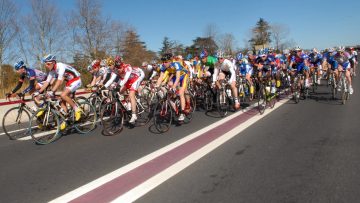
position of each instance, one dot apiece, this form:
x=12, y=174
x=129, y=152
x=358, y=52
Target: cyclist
x=265, y=66
x=245, y=68
x=33, y=75
x=353, y=60
x=130, y=78
x=343, y=63
x=300, y=62
x=176, y=76
x=223, y=68
x=208, y=62
x=315, y=59
x=63, y=72
x=99, y=72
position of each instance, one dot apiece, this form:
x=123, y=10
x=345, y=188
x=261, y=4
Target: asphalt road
x=306, y=152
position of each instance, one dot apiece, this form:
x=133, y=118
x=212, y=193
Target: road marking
x=147, y=185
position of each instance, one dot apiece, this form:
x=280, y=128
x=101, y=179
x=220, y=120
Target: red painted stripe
x=122, y=184
x=19, y=101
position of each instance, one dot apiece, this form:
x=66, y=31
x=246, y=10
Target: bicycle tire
x=45, y=129
x=222, y=102
x=88, y=118
x=13, y=128
x=261, y=97
x=163, y=116
x=143, y=112
x=112, y=118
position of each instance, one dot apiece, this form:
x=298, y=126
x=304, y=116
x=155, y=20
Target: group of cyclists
x=176, y=73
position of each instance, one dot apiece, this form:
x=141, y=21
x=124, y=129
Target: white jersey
x=63, y=71
x=226, y=66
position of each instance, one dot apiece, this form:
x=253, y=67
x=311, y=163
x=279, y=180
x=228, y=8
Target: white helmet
x=341, y=49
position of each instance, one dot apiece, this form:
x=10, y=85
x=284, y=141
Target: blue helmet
x=188, y=57
x=19, y=64
x=304, y=56
x=239, y=56
x=203, y=54
x=49, y=58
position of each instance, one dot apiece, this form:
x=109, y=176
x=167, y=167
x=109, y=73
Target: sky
x=312, y=23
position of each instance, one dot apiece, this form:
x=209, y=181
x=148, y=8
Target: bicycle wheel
x=143, y=112
x=88, y=118
x=112, y=118
x=163, y=116
x=261, y=99
x=189, y=114
x=222, y=102
x=208, y=101
x=16, y=122
x=44, y=129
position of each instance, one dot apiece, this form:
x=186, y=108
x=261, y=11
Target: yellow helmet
x=110, y=61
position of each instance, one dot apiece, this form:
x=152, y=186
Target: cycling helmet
x=298, y=48
x=250, y=53
x=145, y=63
x=189, y=57
x=153, y=62
x=262, y=53
x=341, y=49
x=118, y=60
x=220, y=54
x=286, y=51
x=315, y=50
x=110, y=61
x=103, y=63
x=304, y=56
x=203, y=54
x=19, y=64
x=331, y=50
x=89, y=68
x=49, y=58
x=95, y=63
x=239, y=56
x=166, y=57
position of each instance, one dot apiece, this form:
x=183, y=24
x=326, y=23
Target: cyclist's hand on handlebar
x=49, y=94
x=20, y=95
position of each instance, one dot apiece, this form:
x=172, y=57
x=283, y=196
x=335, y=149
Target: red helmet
x=118, y=60
x=95, y=63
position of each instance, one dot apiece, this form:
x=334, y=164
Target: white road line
x=147, y=186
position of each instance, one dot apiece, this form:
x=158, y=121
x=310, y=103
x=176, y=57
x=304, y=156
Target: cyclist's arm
x=19, y=84
x=111, y=80
x=177, y=80
x=126, y=78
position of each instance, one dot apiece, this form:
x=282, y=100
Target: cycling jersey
x=31, y=75
x=315, y=59
x=63, y=72
x=131, y=77
x=245, y=68
x=226, y=66
x=210, y=63
x=342, y=60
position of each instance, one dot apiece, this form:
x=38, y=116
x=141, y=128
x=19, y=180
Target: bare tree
x=91, y=34
x=118, y=31
x=8, y=27
x=43, y=31
x=211, y=31
x=279, y=33
x=227, y=42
